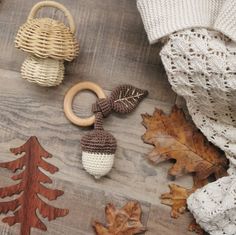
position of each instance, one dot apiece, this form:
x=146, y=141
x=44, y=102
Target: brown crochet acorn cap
x=123, y=99
x=99, y=141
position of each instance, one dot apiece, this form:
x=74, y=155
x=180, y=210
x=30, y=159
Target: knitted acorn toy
x=49, y=43
x=98, y=150
x=99, y=146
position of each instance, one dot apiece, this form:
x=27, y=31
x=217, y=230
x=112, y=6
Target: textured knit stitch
x=214, y=206
x=201, y=67
x=98, y=141
x=163, y=17
x=123, y=91
x=97, y=165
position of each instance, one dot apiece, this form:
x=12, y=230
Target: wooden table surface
x=114, y=50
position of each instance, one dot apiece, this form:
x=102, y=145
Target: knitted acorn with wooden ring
x=49, y=43
x=99, y=146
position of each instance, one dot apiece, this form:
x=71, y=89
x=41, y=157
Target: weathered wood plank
x=27, y=110
x=114, y=46
x=85, y=205
x=160, y=223
x=114, y=50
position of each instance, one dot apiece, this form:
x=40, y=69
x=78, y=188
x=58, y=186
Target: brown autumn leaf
x=174, y=137
x=176, y=198
x=124, y=221
x=194, y=227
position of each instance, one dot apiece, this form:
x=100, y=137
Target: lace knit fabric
x=201, y=67
x=200, y=62
x=214, y=206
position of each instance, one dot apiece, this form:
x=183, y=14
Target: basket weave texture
x=45, y=72
x=47, y=38
x=49, y=43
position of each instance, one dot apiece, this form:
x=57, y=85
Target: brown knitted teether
x=99, y=146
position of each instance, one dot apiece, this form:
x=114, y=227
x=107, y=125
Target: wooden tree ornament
x=30, y=187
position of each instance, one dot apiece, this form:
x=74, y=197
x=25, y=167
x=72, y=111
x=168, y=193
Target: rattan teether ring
x=68, y=101
x=57, y=5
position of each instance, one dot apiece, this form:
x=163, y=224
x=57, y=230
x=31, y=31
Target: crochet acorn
x=98, y=152
x=99, y=146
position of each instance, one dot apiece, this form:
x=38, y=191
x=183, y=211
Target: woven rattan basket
x=48, y=38
x=49, y=42
x=38, y=70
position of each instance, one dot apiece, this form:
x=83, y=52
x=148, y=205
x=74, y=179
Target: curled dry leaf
x=194, y=227
x=124, y=221
x=176, y=138
x=176, y=198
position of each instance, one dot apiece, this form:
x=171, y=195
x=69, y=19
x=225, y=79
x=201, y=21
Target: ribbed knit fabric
x=163, y=17
x=226, y=19
x=200, y=62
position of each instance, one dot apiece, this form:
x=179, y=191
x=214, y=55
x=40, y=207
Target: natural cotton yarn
x=200, y=61
x=214, y=206
x=98, y=150
x=201, y=66
x=99, y=146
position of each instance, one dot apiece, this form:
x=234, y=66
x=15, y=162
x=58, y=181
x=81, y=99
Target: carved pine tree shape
x=29, y=188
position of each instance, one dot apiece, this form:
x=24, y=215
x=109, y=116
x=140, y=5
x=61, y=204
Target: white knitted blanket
x=200, y=62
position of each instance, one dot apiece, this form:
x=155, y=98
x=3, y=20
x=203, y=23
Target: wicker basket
x=45, y=72
x=50, y=43
x=48, y=38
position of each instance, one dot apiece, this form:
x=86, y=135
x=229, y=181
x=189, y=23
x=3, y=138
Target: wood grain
x=114, y=46
x=114, y=50
x=30, y=188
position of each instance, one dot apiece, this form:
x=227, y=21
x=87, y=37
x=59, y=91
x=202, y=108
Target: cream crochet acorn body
x=200, y=61
x=98, y=152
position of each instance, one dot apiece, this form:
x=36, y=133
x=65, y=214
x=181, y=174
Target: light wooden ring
x=69, y=97
x=57, y=5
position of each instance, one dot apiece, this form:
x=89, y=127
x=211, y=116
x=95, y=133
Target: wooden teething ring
x=69, y=97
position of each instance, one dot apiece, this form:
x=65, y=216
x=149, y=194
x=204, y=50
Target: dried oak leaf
x=176, y=138
x=177, y=197
x=194, y=227
x=124, y=221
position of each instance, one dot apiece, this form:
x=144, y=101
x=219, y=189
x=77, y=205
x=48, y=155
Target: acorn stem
x=98, y=125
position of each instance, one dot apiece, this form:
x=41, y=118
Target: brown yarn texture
x=99, y=141
x=124, y=99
